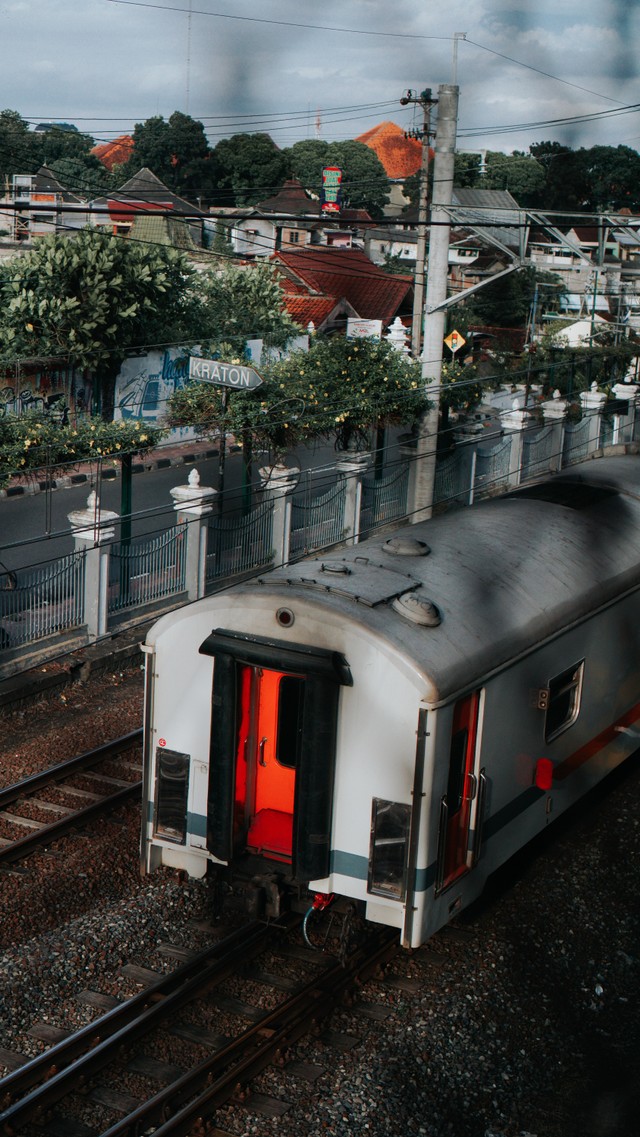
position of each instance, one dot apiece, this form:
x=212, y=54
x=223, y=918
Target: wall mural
x=145, y=383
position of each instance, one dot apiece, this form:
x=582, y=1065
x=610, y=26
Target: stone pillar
x=193, y=504
x=553, y=412
x=592, y=402
x=93, y=529
x=623, y=423
x=278, y=482
x=397, y=335
x=351, y=466
x=514, y=422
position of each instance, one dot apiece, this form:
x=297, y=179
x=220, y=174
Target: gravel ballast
x=523, y=1019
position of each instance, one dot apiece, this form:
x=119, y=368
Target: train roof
x=464, y=593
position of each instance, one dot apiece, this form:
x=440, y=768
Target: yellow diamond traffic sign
x=455, y=341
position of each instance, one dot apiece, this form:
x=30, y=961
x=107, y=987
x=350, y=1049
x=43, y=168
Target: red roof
x=114, y=153
x=400, y=156
x=373, y=293
x=302, y=309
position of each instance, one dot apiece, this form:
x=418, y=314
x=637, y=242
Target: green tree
x=177, y=151
x=365, y=184
x=340, y=389
x=249, y=168
x=33, y=441
x=19, y=152
x=91, y=298
x=85, y=176
x=521, y=174
x=238, y=304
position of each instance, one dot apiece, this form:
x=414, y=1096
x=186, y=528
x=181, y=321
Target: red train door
x=461, y=791
x=269, y=736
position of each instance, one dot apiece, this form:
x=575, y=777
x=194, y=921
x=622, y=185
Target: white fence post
x=624, y=422
x=592, y=402
x=278, y=482
x=193, y=504
x=553, y=412
x=93, y=529
x=514, y=421
x=351, y=466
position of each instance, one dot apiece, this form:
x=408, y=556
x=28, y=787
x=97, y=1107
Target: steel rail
x=24, y=846
x=215, y=1080
x=62, y=770
x=93, y=1047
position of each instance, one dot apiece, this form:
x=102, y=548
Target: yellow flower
x=143, y=437
x=27, y=443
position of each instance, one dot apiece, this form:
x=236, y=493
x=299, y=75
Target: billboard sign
x=331, y=195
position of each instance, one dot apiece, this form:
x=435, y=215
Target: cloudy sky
x=299, y=68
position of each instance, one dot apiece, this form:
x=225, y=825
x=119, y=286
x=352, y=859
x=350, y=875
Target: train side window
x=172, y=787
x=563, y=707
x=290, y=709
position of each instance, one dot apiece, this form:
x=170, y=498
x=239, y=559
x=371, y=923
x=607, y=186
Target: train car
x=392, y=721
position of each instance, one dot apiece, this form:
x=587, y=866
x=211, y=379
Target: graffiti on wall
x=47, y=392
x=145, y=383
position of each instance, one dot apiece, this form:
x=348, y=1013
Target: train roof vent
x=339, y=568
x=417, y=609
x=404, y=546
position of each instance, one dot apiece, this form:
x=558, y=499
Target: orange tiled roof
x=114, y=153
x=372, y=292
x=400, y=156
x=304, y=309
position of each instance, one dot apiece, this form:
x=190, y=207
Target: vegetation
x=340, y=389
x=365, y=184
x=32, y=441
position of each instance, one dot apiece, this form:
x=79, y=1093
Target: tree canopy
x=177, y=151
x=340, y=389
x=365, y=184
x=249, y=168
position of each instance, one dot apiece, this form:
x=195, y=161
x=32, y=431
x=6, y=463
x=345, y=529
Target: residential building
x=291, y=219
x=325, y=286
x=37, y=205
x=145, y=208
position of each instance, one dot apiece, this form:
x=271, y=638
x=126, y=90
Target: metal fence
x=493, y=466
x=576, y=442
x=538, y=452
x=147, y=569
x=384, y=499
x=317, y=521
x=44, y=602
x=454, y=478
x=237, y=544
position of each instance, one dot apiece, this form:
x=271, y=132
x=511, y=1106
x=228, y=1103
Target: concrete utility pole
x=435, y=316
x=426, y=102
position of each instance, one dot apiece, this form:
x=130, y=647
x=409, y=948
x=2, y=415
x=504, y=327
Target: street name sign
x=235, y=375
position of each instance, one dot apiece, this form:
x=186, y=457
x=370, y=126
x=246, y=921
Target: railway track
x=98, y=795
x=77, y=1085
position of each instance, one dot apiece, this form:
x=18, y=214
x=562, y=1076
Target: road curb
x=111, y=473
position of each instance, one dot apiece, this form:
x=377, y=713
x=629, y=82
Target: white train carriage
x=392, y=721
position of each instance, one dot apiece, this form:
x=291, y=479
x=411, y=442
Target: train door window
x=289, y=730
x=563, y=706
x=390, y=823
x=456, y=806
x=172, y=788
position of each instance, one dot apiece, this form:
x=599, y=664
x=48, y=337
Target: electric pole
x=436, y=295
x=426, y=102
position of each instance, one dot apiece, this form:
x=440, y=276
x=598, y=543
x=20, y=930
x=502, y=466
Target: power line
x=279, y=23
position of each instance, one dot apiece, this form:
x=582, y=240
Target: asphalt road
x=35, y=529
